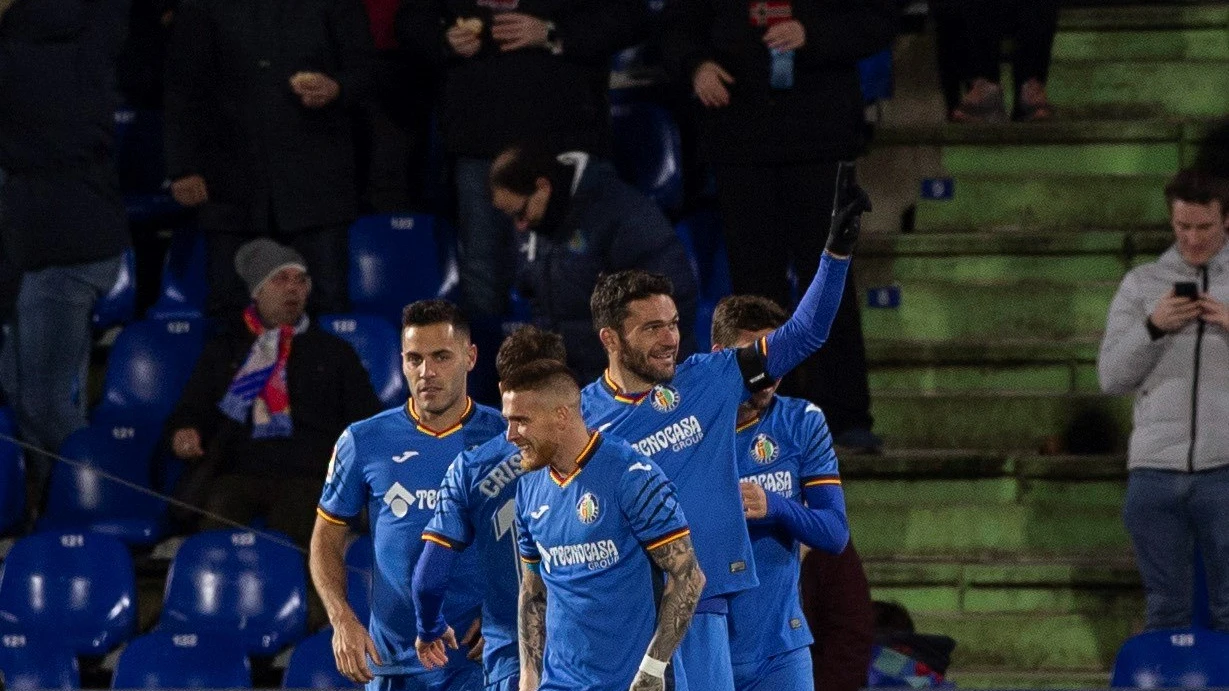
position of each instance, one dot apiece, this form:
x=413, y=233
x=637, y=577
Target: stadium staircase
x=979, y=517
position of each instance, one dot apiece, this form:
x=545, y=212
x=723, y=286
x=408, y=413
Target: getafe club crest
x=764, y=449
x=586, y=508
x=664, y=398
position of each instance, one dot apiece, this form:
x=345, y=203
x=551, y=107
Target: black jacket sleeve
x=593, y=30
x=359, y=400
x=420, y=26
x=198, y=405
x=351, y=34
x=190, y=69
x=844, y=32
x=685, y=38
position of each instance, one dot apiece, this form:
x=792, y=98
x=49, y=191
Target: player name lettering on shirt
x=501, y=476
x=594, y=555
x=781, y=482
x=675, y=437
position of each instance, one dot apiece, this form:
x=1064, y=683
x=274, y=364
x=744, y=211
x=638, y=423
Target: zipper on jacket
x=1190, y=454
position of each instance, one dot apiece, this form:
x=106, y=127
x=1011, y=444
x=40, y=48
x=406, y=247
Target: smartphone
x=1187, y=289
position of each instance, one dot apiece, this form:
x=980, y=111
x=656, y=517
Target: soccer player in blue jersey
x=393, y=464
x=683, y=416
x=593, y=518
x=477, y=504
x=791, y=494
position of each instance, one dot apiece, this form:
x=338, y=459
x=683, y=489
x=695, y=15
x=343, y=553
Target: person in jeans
x=62, y=220
x=1167, y=341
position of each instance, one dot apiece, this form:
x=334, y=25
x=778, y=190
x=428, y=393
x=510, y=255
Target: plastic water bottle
x=782, y=76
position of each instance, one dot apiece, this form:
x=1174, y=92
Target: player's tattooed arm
x=531, y=622
x=684, y=583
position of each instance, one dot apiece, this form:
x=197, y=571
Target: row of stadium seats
x=68, y=594
x=162, y=660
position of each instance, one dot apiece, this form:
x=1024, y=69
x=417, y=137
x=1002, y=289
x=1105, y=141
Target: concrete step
x=942, y=311
x=1126, y=89
x=1146, y=44
x=996, y=420
x=1167, y=15
x=1025, y=365
x=1077, y=642
x=1007, y=678
x=990, y=201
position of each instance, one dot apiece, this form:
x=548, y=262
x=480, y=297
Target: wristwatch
x=553, y=43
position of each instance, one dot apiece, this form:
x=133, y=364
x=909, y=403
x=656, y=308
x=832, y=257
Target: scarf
x=259, y=387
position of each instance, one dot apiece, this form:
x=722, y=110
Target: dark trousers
x=1031, y=23
x=325, y=249
x=288, y=503
x=775, y=217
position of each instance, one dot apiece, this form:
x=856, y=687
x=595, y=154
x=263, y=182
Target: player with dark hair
x=792, y=495
x=393, y=463
x=476, y=508
x=593, y=519
x=683, y=416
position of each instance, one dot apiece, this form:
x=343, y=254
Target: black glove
x=847, y=208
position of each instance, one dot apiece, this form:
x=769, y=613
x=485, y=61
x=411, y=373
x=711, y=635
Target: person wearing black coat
x=259, y=99
x=515, y=70
x=239, y=466
x=577, y=220
x=62, y=223
x=780, y=106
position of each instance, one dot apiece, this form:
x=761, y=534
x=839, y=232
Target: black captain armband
x=754, y=369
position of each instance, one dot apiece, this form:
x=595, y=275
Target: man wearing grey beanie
x=257, y=420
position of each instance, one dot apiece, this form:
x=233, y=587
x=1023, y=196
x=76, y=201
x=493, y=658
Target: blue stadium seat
x=162, y=660
x=1169, y=658
x=396, y=259
x=240, y=585
x=875, y=75
x=648, y=151
x=29, y=663
x=378, y=346
x=142, y=165
x=148, y=367
x=12, y=474
x=73, y=588
x=82, y=499
x=312, y=665
x=702, y=237
x=360, y=565
x=184, y=284
x=119, y=304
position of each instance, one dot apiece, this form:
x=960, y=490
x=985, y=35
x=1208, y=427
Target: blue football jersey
x=687, y=427
x=590, y=532
x=784, y=450
x=477, y=506
x=395, y=465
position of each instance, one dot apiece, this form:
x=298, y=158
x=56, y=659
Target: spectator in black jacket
x=781, y=105
x=578, y=220
x=62, y=225
x=269, y=396
x=259, y=99
x=537, y=69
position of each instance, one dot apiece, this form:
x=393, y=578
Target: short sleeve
x=451, y=524
x=650, y=503
x=345, y=489
x=819, y=464
x=526, y=546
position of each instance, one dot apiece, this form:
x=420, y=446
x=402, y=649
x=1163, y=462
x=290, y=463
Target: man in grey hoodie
x=1167, y=341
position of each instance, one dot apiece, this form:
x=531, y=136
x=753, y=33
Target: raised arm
x=684, y=583
x=807, y=328
x=531, y=626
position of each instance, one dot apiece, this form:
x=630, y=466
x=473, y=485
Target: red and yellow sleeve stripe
x=668, y=538
x=335, y=520
x=819, y=481
x=530, y=560
x=439, y=540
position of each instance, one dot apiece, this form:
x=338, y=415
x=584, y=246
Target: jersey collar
x=595, y=441
x=440, y=434
x=618, y=394
x=758, y=417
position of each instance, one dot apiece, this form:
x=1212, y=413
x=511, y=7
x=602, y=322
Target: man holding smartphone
x=1167, y=341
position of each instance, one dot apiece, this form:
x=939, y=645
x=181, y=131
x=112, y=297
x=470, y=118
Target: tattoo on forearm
x=678, y=601
x=531, y=623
